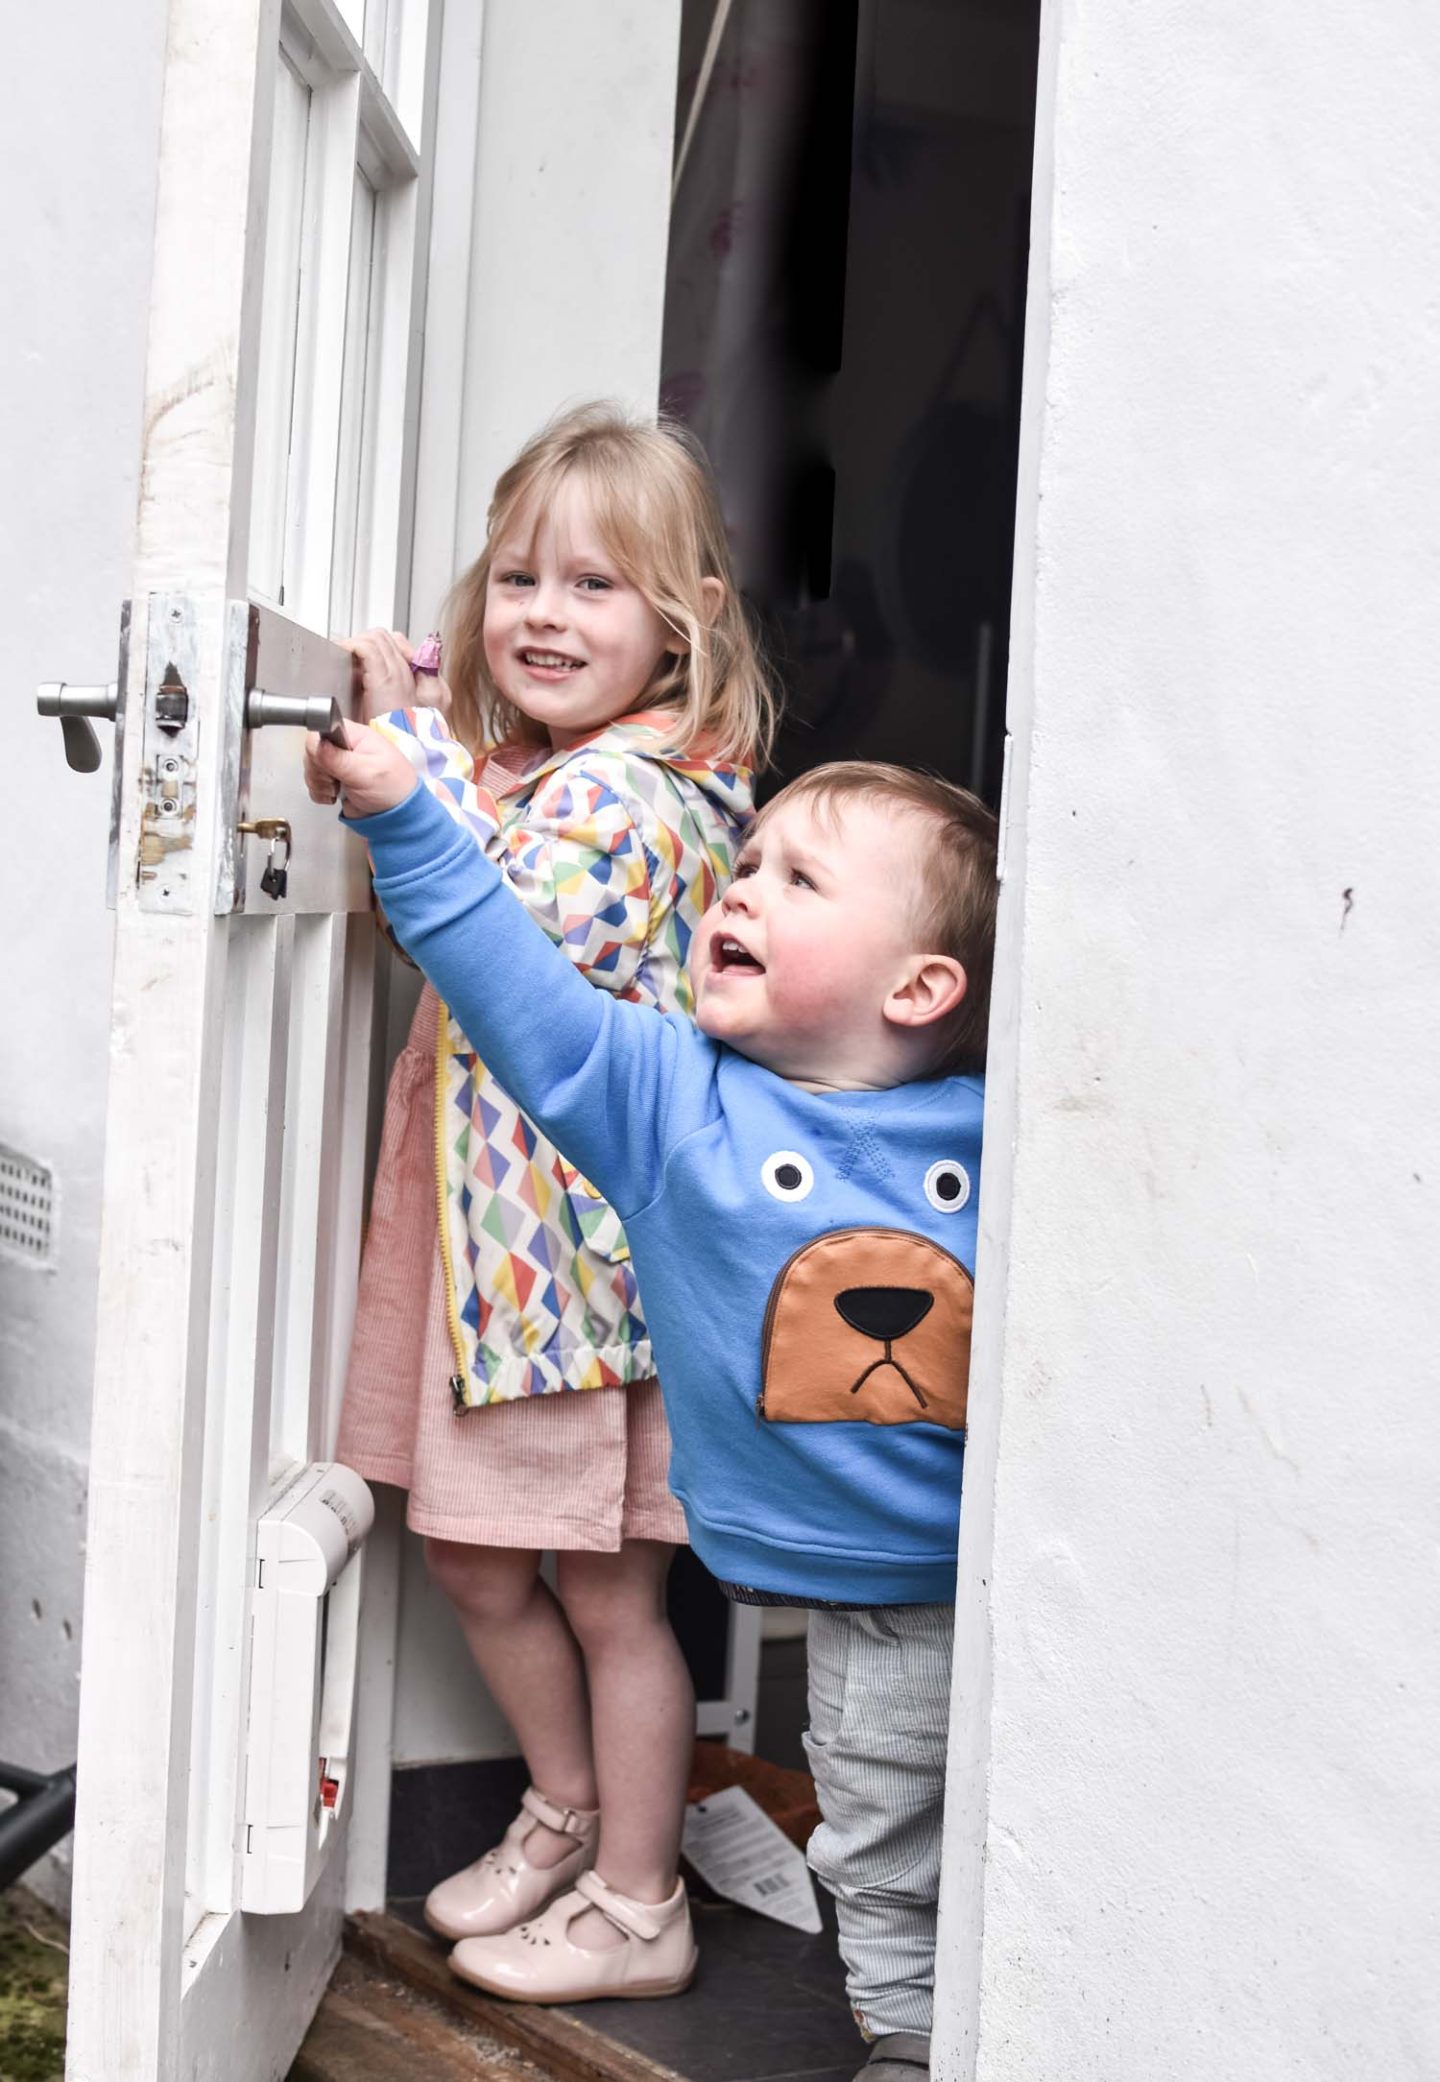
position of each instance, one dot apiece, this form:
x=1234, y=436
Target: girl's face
x=570, y=641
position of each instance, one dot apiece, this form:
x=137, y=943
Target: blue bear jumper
x=722, y=1172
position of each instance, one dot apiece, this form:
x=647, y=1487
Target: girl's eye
x=595, y=585
x=743, y=870
x=786, y=1175
x=947, y=1186
x=800, y=880
x=516, y=578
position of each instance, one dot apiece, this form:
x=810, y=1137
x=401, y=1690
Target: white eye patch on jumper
x=786, y=1175
x=947, y=1186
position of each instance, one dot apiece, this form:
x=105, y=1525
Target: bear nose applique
x=884, y=1313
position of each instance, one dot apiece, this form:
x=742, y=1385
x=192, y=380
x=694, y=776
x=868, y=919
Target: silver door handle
x=74, y=706
x=319, y=712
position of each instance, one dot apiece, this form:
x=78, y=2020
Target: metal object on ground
x=43, y=1813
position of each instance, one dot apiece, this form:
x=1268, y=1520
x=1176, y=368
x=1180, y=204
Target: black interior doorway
x=844, y=315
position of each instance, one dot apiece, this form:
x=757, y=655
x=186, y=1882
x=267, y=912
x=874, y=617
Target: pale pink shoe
x=539, y=1962
x=503, y=1888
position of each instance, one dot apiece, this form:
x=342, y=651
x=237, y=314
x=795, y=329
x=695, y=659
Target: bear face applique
x=868, y=1325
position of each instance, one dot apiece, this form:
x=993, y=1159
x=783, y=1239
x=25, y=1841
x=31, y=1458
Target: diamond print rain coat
x=617, y=848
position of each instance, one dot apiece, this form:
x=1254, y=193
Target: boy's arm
x=445, y=767
x=597, y=1074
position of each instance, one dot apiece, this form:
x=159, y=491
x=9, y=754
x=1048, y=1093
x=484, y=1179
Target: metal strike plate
x=169, y=757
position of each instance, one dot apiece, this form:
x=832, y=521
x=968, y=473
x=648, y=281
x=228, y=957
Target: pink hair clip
x=427, y=658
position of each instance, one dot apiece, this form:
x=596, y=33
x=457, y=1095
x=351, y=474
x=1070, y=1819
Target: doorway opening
x=843, y=323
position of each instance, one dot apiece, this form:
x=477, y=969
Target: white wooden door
x=282, y=389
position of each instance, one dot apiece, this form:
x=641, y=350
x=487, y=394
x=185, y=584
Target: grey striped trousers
x=879, y=1717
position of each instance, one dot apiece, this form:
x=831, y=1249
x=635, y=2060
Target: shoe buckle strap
x=567, y=1820
x=634, y=1918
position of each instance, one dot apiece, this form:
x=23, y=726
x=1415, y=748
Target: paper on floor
x=737, y=1849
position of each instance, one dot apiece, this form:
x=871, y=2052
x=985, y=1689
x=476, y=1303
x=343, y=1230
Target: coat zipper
x=442, y=1201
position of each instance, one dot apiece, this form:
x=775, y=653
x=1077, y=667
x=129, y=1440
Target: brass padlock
x=276, y=878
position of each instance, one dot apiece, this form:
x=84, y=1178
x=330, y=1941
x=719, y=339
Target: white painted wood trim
x=240, y=1382
x=436, y=554
x=320, y=350
x=343, y=1176
x=962, y=1873
x=368, y=1853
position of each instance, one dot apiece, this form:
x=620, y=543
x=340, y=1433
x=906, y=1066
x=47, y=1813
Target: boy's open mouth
x=550, y=661
x=734, y=959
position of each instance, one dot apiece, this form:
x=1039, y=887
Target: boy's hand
x=387, y=678
x=374, y=775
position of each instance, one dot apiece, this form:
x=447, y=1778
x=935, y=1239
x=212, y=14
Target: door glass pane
x=348, y=480
x=275, y=398
x=377, y=36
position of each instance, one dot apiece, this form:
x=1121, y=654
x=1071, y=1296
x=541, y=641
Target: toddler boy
x=798, y=1176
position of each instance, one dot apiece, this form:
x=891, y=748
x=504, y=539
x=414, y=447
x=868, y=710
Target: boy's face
x=795, y=965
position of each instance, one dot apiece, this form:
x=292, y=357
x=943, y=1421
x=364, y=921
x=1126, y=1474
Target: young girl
x=605, y=704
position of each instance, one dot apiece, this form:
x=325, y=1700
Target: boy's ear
x=932, y=986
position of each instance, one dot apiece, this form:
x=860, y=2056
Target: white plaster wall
x=568, y=220
x=77, y=166
x=1198, y=1688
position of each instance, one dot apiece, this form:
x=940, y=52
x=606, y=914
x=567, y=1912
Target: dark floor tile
x=845, y=2073
x=768, y=2002
x=444, y=1815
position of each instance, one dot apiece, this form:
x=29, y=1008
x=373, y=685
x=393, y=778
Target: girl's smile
x=550, y=666
x=569, y=639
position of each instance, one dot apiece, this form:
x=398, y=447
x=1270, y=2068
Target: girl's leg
x=532, y=1664
x=642, y=1720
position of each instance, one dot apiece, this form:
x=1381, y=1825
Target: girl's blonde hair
x=655, y=508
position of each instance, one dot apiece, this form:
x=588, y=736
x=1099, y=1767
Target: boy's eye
x=800, y=879
x=743, y=869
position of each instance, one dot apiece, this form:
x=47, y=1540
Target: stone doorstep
x=523, y=2042
x=394, y=1999
x=370, y=2029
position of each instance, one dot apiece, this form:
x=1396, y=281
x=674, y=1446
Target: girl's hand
x=387, y=680
x=373, y=773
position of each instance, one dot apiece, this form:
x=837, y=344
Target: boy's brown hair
x=959, y=887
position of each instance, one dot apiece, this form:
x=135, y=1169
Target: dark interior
x=844, y=319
